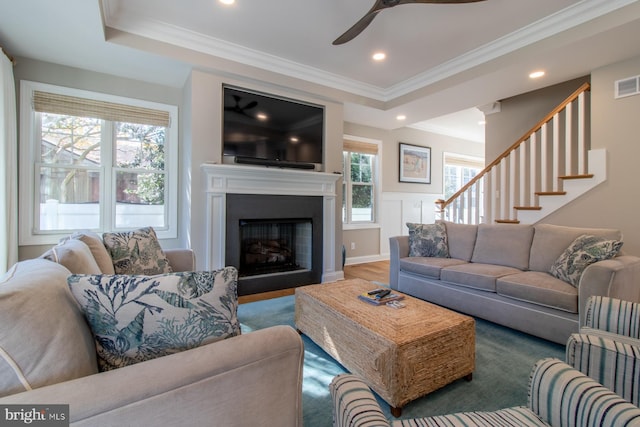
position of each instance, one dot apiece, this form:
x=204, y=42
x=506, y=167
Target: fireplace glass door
x=275, y=246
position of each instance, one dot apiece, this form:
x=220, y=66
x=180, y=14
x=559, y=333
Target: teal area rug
x=504, y=359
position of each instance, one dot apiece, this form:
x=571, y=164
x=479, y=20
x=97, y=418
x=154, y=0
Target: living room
x=198, y=100
x=199, y=104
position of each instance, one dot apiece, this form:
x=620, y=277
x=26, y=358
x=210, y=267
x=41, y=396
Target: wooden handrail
x=585, y=87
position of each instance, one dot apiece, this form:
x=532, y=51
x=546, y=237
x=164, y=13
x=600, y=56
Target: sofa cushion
x=476, y=275
x=44, y=338
x=461, y=239
x=136, y=252
x=583, y=252
x=503, y=244
x=74, y=255
x=429, y=240
x=136, y=318
x=99, y=251
x=549, y=241
x=539, y=288
x=427, y=266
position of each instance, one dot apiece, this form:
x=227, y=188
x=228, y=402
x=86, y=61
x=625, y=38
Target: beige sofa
x=48, y=356
x=501, y=273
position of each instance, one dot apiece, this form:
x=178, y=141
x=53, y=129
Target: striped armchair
x=608, y=346
x=558, y=396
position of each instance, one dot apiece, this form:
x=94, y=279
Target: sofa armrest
x=228, y=383
x=618, y=278
x=353, y=403
x=398, y=248
x=181, y=259
x=564, y=396
x=614, y=364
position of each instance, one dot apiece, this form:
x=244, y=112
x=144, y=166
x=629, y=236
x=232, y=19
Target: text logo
x=34, y=415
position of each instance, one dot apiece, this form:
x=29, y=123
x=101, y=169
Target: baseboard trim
x=365, y=259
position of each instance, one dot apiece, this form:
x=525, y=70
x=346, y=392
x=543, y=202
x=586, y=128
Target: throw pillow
x=44, y=338
x=74, y=255
x=136, y=252
x=584, y=251
x=428, y=240
x=100, y=254
x=137, y=318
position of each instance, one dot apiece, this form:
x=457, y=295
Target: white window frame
x=29, y=152
x=377, y=179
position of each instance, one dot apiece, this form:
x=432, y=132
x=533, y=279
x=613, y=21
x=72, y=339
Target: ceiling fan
x=240, y=109
x=379, y=6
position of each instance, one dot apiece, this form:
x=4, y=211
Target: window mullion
x=108, y=182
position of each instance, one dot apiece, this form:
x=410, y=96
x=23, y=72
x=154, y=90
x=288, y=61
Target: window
x=459, y=170
x=97, y=162
x=359, y=184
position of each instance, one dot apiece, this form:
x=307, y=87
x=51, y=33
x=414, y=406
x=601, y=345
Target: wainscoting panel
x=397, y=209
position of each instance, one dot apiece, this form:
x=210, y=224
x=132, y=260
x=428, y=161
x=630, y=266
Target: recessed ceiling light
x=536, y=74
x=262, y=116
x=227, y=1
x=379, y=56
x=401, y=117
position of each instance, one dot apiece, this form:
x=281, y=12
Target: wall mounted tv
x=268, y=130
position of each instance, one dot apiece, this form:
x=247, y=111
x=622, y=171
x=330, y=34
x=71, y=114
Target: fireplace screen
x=275, y=246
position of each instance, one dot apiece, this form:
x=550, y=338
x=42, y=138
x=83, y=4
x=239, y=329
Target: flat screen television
x=270, y=130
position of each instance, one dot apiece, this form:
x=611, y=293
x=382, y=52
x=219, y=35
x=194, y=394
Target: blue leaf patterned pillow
x=428, y=240
x=584, y=251
x=137, y=318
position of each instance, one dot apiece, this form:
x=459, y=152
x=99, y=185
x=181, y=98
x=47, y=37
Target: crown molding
x=563, y=20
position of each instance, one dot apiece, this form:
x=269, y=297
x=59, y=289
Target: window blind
x=360, y=147
x=464, y=161
x=53, y=103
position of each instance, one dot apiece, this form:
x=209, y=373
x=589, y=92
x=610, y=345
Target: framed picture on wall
x=415, y=163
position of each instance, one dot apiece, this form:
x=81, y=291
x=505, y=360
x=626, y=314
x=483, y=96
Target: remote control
x=375, y=291
x=383, y=294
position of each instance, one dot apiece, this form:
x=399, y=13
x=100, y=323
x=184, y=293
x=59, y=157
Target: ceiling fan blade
x=438, y=1
x=356, y=29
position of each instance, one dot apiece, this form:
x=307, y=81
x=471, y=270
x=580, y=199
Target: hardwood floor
x=378, y=271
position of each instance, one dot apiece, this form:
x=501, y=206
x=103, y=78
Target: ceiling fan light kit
x=381, y=5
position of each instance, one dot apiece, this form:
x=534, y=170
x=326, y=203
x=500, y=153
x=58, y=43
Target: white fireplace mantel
x=223, y=179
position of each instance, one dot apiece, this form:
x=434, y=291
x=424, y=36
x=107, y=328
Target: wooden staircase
x=545, y=169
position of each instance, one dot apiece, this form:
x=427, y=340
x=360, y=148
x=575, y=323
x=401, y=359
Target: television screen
x=260, y=126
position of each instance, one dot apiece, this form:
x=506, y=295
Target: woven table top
x=417, y=319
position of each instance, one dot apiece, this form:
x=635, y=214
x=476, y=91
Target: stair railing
x=554, y=150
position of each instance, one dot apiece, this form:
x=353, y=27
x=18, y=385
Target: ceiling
x=441, y=59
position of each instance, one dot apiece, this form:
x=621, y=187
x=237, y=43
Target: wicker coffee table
x=401, y=353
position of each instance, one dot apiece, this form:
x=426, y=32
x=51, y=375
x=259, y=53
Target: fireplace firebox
x=275, y=241
x=274, y=246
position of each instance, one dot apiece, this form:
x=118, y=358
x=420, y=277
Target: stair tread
x=550, y=193
x=583, y=176
x=528, y=208
x=507, y=221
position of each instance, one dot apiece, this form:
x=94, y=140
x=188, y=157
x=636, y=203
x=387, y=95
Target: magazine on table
x=380, y=296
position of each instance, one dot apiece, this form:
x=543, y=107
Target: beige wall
x=614, y=126
x=521, y=113
x=367, y=241
x=203, y=118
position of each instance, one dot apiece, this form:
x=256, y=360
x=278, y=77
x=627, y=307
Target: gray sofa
x=501, y=273
x=48, y=356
